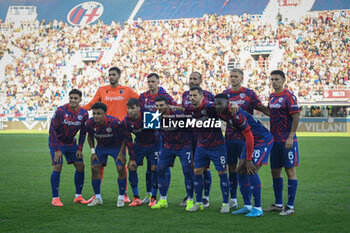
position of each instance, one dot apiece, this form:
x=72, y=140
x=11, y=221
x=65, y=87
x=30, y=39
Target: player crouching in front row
x=108, y=132
x=259, y=142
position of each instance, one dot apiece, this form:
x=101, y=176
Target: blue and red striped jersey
x=282, y=106
x=243, y=120
x=207, y=137
x=175, y=138
x=186, y=97
x=110, y=134
x=247, y=100
x=65, y=124
x=147, y=101
x=143, y=137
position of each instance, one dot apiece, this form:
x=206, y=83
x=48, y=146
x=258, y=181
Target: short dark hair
x=237, y=70
x=199, y=89
x=199, y=74
x=116, y=69
x=76, y=91
x=160, y=98
x=279, y=72
x=133, y=102
x=221, y=96
x=153, y=75
x=99, y=105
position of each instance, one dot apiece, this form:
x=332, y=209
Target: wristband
x=93, y=151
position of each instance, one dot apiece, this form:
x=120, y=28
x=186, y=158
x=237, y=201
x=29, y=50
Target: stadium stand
x=42, y=61
x=162, y=9
x=325, y=5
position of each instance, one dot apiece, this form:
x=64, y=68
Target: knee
x=276, y=173
x=154, y=168
x=207, y=169
x=291, y=173
x=222, y=173
x=79, y=166
x=95, y=169
x=57, y=167
x=121, y=171
x=198, y=171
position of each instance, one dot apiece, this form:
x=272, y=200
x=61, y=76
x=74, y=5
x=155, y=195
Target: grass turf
x=321, y=202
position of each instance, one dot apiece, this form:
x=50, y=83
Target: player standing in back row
x=247, y=100
x=115, y=97
x=147, y=103
x=195, y=81
x=284, y=120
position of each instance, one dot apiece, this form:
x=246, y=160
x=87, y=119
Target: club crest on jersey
x=242, y=95
x=66, y=115
x=80, y=117
x=85, y=13
x=280, y=99
x=121, y=91
x=109, y=130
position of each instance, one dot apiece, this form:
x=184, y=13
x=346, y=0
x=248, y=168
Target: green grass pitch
x=322, y=201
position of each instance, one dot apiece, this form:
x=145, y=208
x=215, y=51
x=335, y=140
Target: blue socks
x=55, y=183
x=78, y=181
x=154, y=183
x=148, y=178
x=163, y=179
x=207, y=182
x=278, y=190
x=121, y=185
x=96, y=185
x=255, y=186
x=292, y=190
x=188, y=174
x=133, y=179
x=233, y=184
x=198, y=187
x=224, y=187
x=244, y=186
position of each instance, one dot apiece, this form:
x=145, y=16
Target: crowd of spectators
x=44, y=66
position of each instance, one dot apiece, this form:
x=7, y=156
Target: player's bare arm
x=295, y=123
x=91, y=142
x=262, y=108
x=174, y=108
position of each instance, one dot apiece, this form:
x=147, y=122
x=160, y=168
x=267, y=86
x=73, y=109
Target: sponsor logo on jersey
x=111, y=98
x=75, y=123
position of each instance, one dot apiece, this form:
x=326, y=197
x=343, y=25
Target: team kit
x=154, y=129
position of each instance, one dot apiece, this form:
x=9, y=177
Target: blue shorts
x=167, y=156
x=69, y=153
x=150, y=152
x=280, y=157
x=260, y=153
x=234, y=149
x=216, y=154
x=103, y=152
